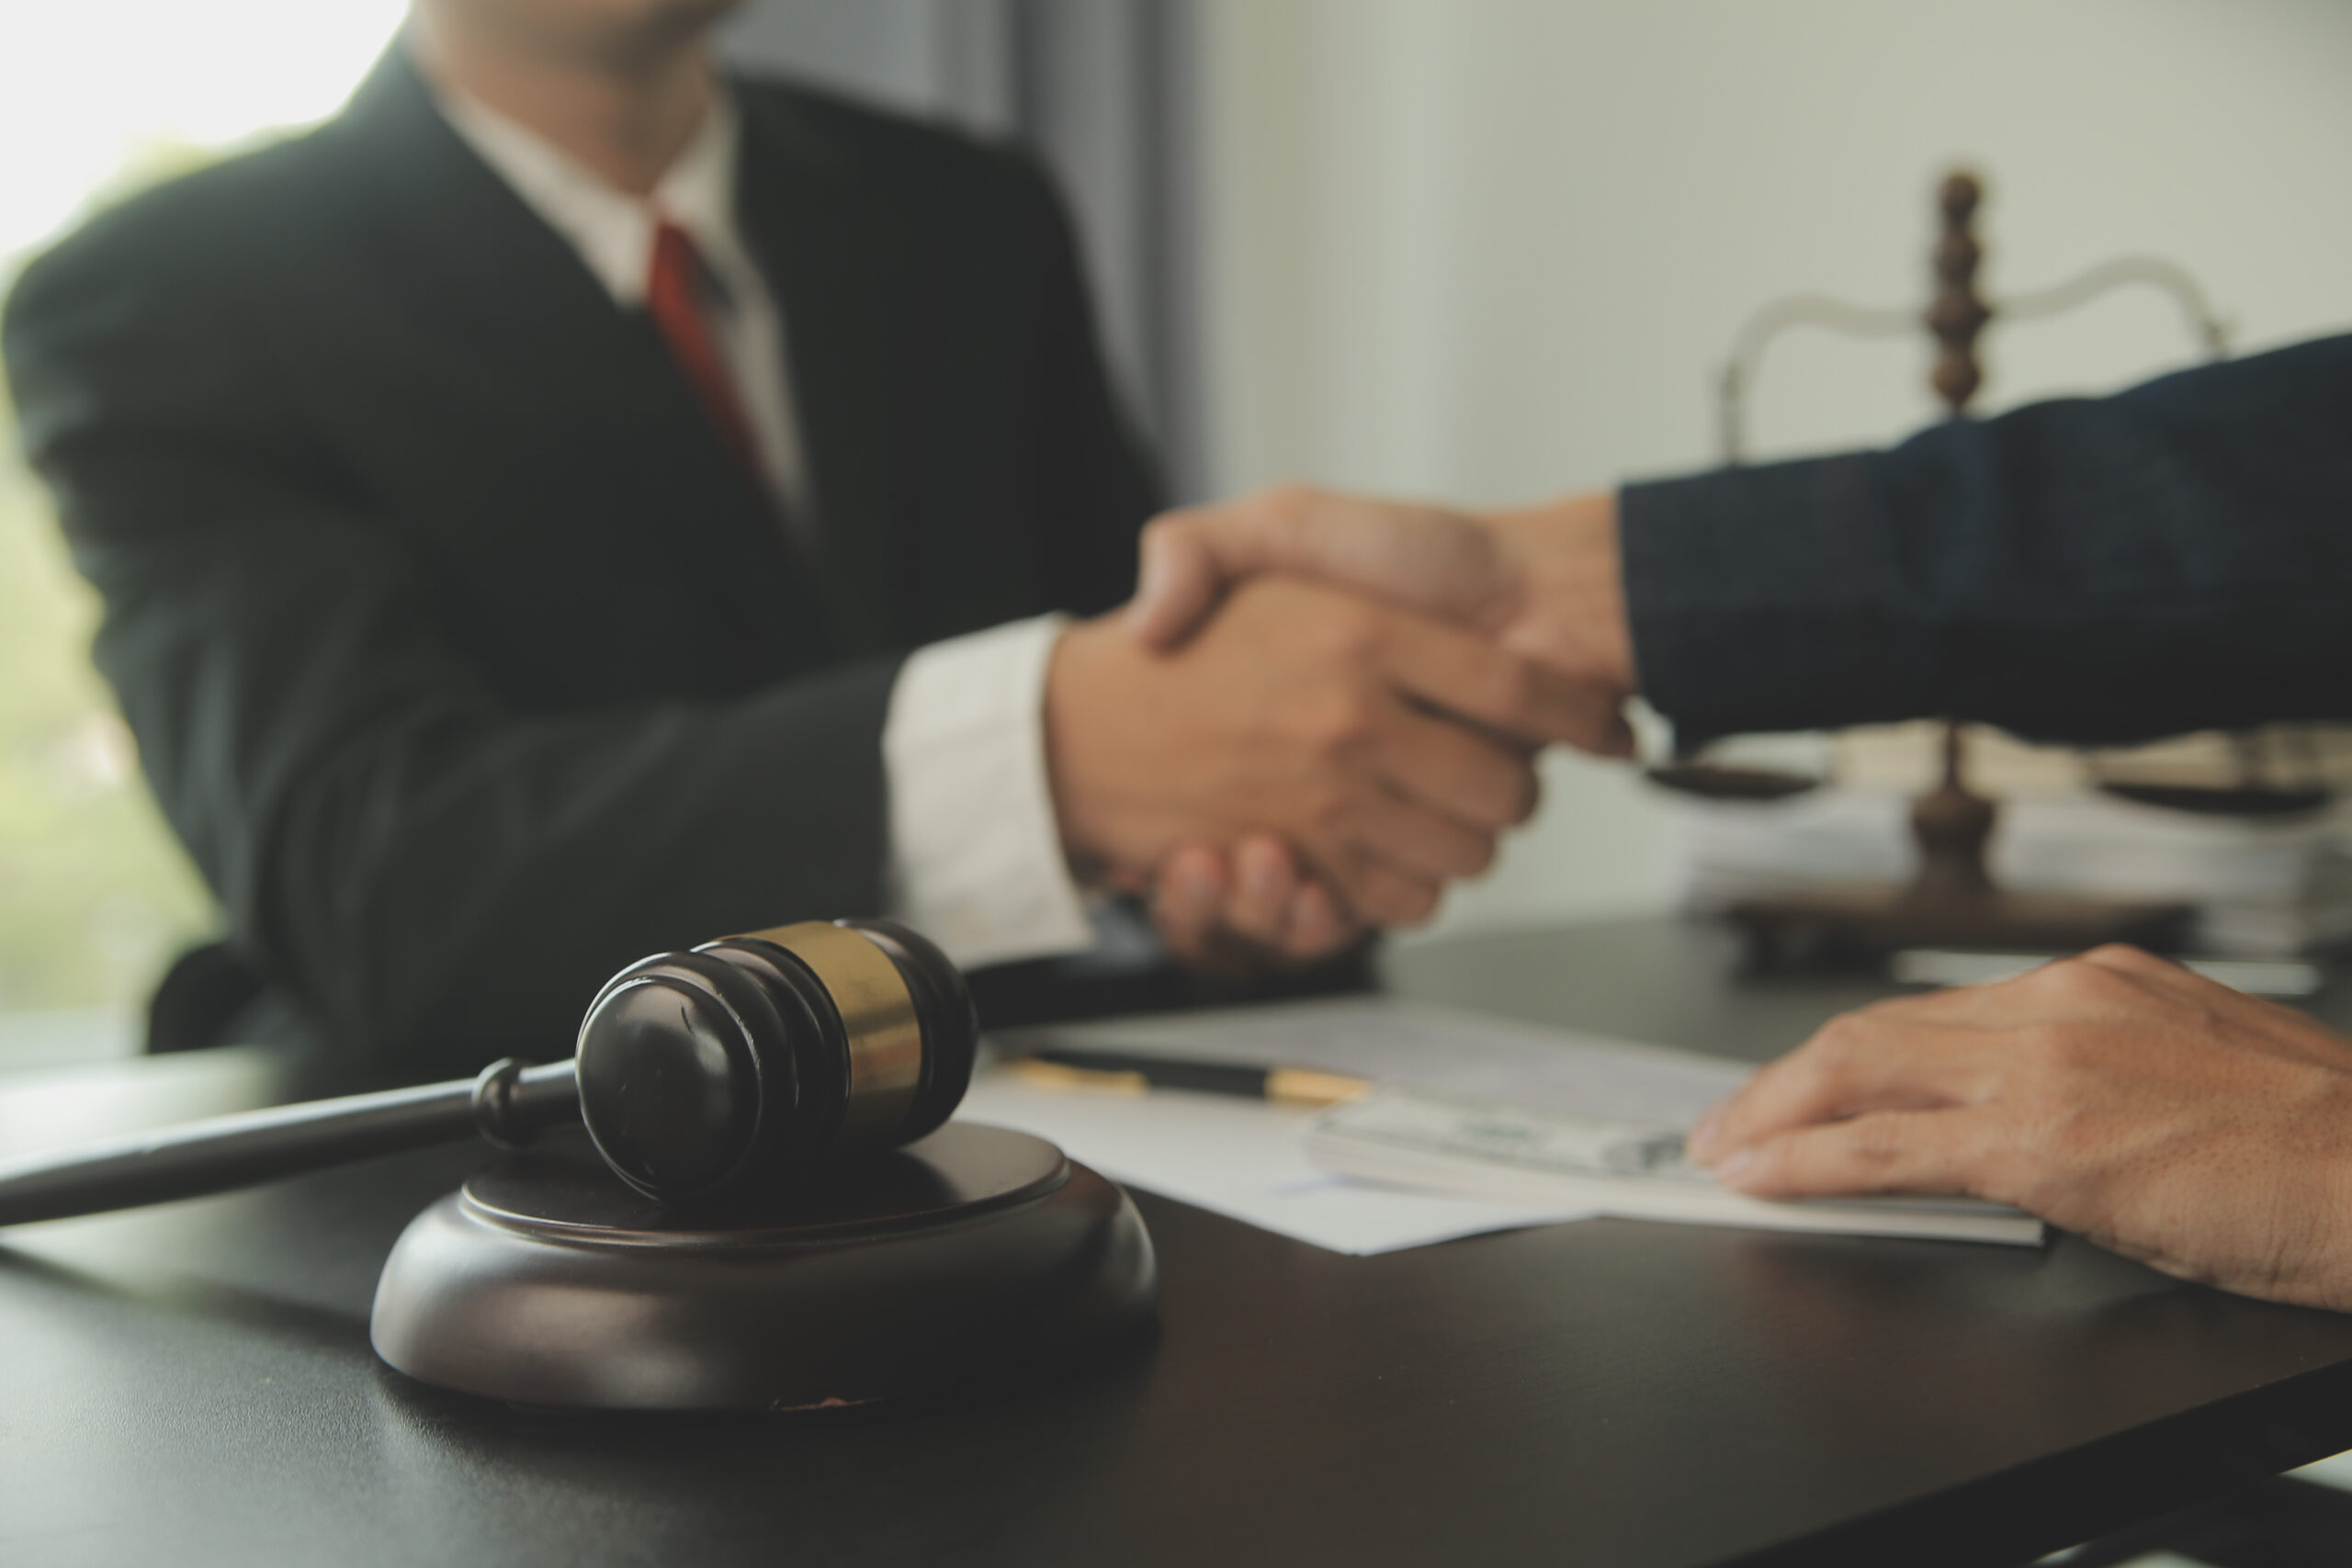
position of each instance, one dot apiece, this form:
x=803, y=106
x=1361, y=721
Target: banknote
x=1540, y=1138
x=1507, y=1151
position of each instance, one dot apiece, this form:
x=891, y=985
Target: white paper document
x=1635, y=1170
x=1242, y=1158
x=1427, y=1047
x=1246, y=1158
x=1250, y=1160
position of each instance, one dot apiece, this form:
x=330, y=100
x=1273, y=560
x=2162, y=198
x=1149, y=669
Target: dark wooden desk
x=193, y=1384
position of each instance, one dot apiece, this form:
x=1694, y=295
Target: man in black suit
x=515, y=502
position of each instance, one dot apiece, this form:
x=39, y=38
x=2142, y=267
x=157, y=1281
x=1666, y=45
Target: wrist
x=1078, y=674
x=1569, y=612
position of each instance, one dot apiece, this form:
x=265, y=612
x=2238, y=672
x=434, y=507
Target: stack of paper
x=1252, y=1160
x=1629, y=1169
x=1242, y=1159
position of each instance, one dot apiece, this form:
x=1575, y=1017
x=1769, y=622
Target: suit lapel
x=537, y=317
x=844, y=264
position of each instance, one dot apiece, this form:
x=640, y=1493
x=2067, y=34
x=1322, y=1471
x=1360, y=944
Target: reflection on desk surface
x=56, y=1106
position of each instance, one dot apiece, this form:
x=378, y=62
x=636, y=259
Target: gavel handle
x=509, y=1104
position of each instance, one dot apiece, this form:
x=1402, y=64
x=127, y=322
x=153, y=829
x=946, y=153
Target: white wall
x=1492, y=249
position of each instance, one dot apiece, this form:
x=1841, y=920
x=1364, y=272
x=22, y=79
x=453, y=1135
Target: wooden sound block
x=546, y=1280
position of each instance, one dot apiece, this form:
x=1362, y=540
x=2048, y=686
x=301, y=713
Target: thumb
x=1179, y=577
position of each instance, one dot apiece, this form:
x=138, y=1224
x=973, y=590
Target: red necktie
x=674, y=296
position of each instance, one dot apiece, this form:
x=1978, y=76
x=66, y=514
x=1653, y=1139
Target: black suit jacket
x=459, y=653
x=2177, y=557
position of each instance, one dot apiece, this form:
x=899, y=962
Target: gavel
x=698, y=1076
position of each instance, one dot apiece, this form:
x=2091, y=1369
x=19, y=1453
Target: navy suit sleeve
x=2177, y=557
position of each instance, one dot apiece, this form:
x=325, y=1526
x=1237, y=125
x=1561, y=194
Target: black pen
x=1134, y=1072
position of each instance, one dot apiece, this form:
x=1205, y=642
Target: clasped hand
x=1387, y=748
x=1384, y=746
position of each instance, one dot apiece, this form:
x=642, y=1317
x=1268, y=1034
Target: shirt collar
x=611, y=228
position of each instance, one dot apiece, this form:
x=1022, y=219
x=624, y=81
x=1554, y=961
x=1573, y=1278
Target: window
x=96, y=100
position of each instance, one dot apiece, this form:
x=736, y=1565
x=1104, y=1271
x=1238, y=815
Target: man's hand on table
x=1385, y=748
x=2118, y=1096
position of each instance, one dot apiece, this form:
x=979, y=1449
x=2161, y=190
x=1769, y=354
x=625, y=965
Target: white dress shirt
x=975, y=860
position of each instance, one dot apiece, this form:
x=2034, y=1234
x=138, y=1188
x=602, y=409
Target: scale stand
x=1951, y=899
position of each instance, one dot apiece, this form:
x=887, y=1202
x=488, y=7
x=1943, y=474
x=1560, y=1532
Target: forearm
x=2174, y=557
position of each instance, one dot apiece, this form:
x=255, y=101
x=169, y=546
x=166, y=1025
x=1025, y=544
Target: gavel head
x=711, y=1071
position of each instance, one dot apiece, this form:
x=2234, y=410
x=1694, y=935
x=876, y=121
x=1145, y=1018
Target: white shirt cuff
x=975, y=855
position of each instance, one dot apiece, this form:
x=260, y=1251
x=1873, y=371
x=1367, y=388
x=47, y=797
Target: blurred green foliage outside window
x=97, y=99
x=93, y=893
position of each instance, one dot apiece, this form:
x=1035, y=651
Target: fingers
x=1946, y=1151
x=1265, y=881
x=1441, y=765
x=1180, y=575
x=1944, y=1050
x=1376, y=892
x=1468, y=674
x=1263, y=895
x=1876, y=1060
x=1219, y=908
x=1317, y=928
x=1278, y=906
x=1187, y=899
x=1438, y=561
x=1378, y=828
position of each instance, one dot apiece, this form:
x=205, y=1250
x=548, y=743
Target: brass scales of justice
x=1951, y=899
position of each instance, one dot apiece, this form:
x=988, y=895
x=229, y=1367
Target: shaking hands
x=1384, y=749
x=1319, y=709
x=1542, y=582
x=1358, y=687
